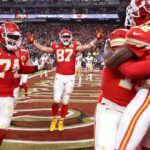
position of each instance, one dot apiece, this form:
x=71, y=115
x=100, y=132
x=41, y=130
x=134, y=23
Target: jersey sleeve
x=76, y=43
x=117, y=38
x=137, y=40
x=135, y=69
x=53, y=46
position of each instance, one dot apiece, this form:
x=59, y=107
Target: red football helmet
x=65, y=37
x=138, y=12
x=10, y=36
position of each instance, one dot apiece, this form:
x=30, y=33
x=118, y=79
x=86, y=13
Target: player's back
x=115, y=86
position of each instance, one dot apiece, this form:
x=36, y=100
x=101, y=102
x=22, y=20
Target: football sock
x=64, y=111
x=55, y=108
x=2, y=135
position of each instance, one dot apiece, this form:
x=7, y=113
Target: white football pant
x=108, y=115
x=135, y=122
x=63, y=88
x=6, y=111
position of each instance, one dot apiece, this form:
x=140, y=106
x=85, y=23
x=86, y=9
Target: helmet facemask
x=12, y=39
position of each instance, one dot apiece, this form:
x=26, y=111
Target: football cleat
x=60, y=125
x=53, y=124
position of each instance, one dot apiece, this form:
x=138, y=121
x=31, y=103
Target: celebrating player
x=24, y=56
x=10, y=66
x=109, y=113
x=79, y=67
x=135, y=121
x=65, y=53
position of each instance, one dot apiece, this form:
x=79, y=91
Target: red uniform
x=138, y=41
x=65, y=58
x=10, y=66
x=115, y=86
x=9, y=73
x=23, y=58
x=136, y=121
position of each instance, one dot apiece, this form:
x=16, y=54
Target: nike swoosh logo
x=136, y=33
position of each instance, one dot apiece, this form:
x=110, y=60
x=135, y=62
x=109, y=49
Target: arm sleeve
x=137, y=41
x=53, y=46
x=135, y=69
x=28, y=69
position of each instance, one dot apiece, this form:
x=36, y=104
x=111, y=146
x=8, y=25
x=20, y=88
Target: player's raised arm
x=92, y=44
x=41, y=48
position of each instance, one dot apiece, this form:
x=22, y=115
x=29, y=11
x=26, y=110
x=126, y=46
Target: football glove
x=31, y=38
x=98, y=34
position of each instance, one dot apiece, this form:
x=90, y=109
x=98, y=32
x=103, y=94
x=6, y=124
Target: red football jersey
x=9, y=67
x=23, y=58
x=9, y=74
x=138, y=40
x=65, y=58
x=115, y=86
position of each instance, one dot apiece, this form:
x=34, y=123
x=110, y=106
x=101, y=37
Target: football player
x=65, y=53
x=89, y=66
x=134, y=125
x=115, y=91
x=10, y=67
x=24, y=56
x=43, y=60
x=79, y=67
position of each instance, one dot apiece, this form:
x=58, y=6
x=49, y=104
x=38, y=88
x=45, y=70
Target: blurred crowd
x=42, y=6
x=35, y=10
x=46, y=33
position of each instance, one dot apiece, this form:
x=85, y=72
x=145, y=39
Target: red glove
x=31, y=38
x=98, y=34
